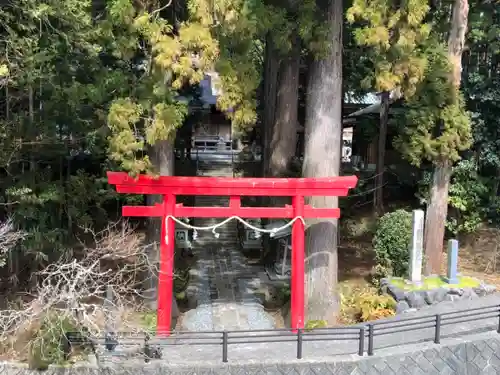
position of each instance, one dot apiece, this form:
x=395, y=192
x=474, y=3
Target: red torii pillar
x=171, y=186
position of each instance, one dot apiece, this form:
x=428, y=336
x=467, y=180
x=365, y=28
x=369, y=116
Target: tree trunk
x=33, y=166
x=456, y=39
x=496, y=185
x=437, y=209
x=269, y=99
x=271, y=66
x=284, y=132
x=322, y=159
x=378, y=201
x=162, y=157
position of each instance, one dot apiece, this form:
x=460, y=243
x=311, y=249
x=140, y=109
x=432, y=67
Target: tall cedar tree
x=322, y=159
x=394, y=33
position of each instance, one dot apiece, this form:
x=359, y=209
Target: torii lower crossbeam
x=170, y=187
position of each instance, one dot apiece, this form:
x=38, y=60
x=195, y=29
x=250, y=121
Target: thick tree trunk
x=378, y=201
x=162, y=157
x=322, y=159
x=284, y=132
x=437, y=209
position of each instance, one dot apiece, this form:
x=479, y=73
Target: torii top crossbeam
x=241, y=186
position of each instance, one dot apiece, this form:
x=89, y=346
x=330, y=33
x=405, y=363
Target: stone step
x=207, y=200
x=227, y=241
x=215, y=165
x=230, y=229
x=214, y=220
x=213, y=169
x=215, y=174
x=208, y=235
x=224, y=238
x=228, y=233
x=223, y=232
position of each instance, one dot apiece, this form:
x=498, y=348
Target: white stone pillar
x=416, y=247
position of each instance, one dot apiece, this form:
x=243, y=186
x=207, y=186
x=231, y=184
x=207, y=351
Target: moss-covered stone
x=432, y=290
x=433, y=282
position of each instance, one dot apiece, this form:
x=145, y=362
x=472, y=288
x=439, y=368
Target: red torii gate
x=171, y=186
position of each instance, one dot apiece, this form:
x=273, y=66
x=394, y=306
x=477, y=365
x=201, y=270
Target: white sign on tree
x=416, y=247
x=347, y=145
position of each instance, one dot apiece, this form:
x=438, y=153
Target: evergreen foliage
x=395, y=33
x=90, y=86
x=162, y=61
x=435, y=123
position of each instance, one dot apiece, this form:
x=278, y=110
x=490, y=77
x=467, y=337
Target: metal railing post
x=371, y=330
x=147, y=349
x=361, y=350
x=197, y=161
x=224, y=346
x=498, y=329
x=232, y=161
x=437, y=332
x=299, y=343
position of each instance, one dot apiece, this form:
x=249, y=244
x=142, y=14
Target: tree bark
x=271, y=68
x=437, y=208
x=456, y=39
x=272, y=64
x=322, y=159
x=284, y=131
x=496, y=184
x=378, y=200
x=162, y=157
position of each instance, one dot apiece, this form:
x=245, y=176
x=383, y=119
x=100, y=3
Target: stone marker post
x=416, y=247
x=109, y=310
x=452, y=269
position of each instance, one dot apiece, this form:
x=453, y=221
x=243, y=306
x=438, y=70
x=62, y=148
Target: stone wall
x=479, y=355
x=418, y=299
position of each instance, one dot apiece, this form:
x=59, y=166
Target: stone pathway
x=223, y=290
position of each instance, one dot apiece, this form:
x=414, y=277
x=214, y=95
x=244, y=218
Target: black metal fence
x=365, y=335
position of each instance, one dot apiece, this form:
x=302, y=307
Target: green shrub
x=362, y=303
x=391, y=244
x=149, y=321
x=313, y=324
x=373, y=306
x=46, y=343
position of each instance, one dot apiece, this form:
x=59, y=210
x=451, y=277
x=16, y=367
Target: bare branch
x=9, y=237
x=74, y=290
